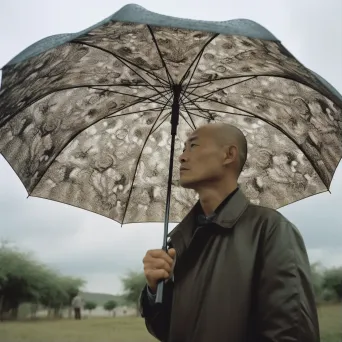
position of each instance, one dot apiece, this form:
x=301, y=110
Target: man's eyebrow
x=195, y=137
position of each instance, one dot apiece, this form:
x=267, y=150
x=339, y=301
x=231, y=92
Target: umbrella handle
x=160, y=291
x=160, y=286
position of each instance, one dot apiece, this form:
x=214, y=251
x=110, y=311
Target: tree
x=24, y=279
x=58, y=292
x=332, y=282
x=90, y=306
x=317, y=281
x=329, y=296
x=133, y=284
x=110, y=305
x=20, y=279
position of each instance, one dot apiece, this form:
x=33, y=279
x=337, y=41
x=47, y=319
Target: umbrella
x=96, y=119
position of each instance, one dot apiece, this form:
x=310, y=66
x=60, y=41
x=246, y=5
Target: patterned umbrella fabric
x=85, y=117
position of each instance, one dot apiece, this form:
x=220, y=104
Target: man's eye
x=191, y=145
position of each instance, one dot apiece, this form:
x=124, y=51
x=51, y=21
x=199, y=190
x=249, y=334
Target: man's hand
x=158, y=266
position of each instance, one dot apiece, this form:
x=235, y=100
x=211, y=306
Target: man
x=77, y=304
x=236, y=271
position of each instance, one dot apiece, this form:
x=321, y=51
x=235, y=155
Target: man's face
x=201, y=160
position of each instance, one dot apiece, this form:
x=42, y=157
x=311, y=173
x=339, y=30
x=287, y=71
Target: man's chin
x=186, y=184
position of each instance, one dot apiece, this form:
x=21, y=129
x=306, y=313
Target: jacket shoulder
x=274, y=226
x=267, y=215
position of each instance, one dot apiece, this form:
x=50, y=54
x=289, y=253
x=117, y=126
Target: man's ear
x=231, y=154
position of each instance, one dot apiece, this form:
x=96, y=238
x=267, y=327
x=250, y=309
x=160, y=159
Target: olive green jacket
x=246, y=277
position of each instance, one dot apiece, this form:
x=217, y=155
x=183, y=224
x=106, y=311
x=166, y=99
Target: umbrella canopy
x=85, y=118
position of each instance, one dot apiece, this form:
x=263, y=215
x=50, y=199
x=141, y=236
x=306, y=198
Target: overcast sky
x=84, y=244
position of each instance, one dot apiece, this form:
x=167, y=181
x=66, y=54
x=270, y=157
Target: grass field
x=124, y=329
x=330, y=320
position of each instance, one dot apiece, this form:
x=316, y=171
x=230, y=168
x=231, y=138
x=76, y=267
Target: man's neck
x=211, y=197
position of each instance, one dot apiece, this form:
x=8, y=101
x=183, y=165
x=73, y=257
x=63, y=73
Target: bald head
x=226, y=134
x=213, y=156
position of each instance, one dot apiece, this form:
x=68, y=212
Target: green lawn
x=130, y=329
x=124, y=329
x=330, y=320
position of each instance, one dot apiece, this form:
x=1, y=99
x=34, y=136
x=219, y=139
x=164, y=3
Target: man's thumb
x=171, y=252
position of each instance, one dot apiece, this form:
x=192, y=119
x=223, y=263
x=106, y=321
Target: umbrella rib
x=224, y=112
x=126, y=63
x=239, y=76
x=198, y=115
x=228, y=86
x=193, y=102
x=206, y=99
x=199, y=85
x=166, y=116
x=181, y=114
x=188, y=112
x=160, y=79
x=314, y=87
x=73, y=137
x=199, y=55
x=186, y=109
x=171, y=83
x=138, y=160
x=98, y=85
x=136, y=96
x=267, y=99
x=186, y=87
x=210, y=112
x=151, y=85
x=111, y=116
x=52, y=92
x=126, y=85
x=280, y=130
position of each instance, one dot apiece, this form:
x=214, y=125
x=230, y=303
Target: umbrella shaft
x=168, y=196
x=174, y=123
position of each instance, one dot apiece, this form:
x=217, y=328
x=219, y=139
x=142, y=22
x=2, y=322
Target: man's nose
x=182, y=158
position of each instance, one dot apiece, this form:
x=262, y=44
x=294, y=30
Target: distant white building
x=120, y=311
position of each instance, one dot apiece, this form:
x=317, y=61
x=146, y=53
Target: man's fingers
x=159, y=264
x=158, y=254
x=158, y=274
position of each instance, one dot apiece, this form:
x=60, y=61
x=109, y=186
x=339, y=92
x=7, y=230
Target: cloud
x=319, y=217
x=84, y=244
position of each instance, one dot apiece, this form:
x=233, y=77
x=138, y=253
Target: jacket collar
x=232, y=211
x=226, y=218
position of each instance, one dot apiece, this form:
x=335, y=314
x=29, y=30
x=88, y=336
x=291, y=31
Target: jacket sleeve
x=157, y=317
x=286, y=308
